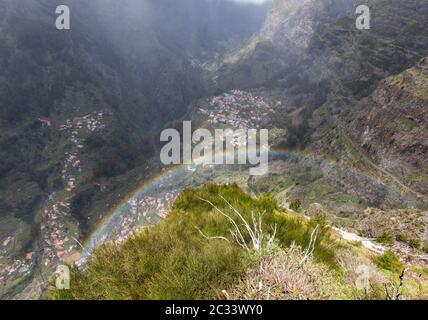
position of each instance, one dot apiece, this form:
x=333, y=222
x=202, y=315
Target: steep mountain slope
x=354, y=61
x=319, y=66
x=314, y=55
x=385, y=134
x=391, y=126
x=280, y=44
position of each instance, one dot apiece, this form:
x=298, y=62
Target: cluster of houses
x=160, y=205
x=90, y=122
x=57, y=240
x=10, y=268
x=239, y=109
x=72, y=164
x=142, y=209
x=71, y=161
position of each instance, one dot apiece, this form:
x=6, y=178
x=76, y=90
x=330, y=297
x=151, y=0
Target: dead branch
x=311, y=247
x=211, y=238
x=237, y=232
x=395, y=292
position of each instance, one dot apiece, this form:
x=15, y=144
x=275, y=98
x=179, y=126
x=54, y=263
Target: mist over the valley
x=82, y=111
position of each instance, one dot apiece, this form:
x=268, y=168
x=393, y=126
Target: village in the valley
x=145, y=210
x=60, y=231
x=238, y=109
x=13, y=267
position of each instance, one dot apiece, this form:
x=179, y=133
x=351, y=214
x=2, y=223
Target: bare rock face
x=281, y=43
x=391, y=126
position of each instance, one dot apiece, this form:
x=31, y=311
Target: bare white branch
x=212, y=238
x=311, y=247
x=255, y=232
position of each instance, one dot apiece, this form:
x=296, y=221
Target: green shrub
x=296, y=205
x=402, y=237
x=389, y=261
x=386, y=238
x=415, y=243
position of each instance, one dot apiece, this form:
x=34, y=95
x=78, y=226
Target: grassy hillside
x=204, y=251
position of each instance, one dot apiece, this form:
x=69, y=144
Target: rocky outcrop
x=280, y=44
x=391, y=126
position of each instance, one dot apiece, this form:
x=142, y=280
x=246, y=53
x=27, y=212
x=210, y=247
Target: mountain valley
x=82, y=111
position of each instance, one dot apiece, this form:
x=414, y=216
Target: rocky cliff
x=312, y=52
x=391, y=126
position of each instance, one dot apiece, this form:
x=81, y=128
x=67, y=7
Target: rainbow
x=173, y=173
